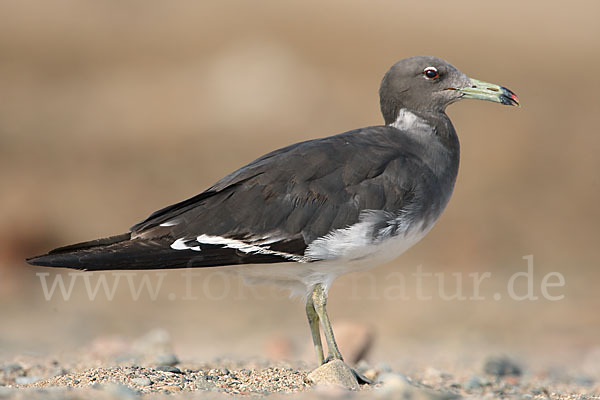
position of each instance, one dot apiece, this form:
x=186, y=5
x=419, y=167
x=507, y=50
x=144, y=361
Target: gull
x=301, y=216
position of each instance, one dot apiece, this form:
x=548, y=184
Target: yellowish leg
x=319, y=298
x=313, y=321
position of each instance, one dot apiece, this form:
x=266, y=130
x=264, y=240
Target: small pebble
x=371, y=374
x=168, y=368
x=434, y=373
x=141, y=381
x=584, y=381
x=393, y=383
x=96, y=385
x=10, y=368
x=202, y=383
x=537, y=390
x=119, y=391
x=171, y=388
x=484, y=381
x=167, y=359
x=501, y=366
x=472, y=383
x=26, y=380
x=396, y=386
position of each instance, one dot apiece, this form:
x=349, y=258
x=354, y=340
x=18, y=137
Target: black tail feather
x=123, y=253
x=114, y=253
x=91, y=244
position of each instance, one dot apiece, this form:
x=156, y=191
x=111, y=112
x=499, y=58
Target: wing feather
x=297, y=194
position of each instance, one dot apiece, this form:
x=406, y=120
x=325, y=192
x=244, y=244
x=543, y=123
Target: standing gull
x=301, y=216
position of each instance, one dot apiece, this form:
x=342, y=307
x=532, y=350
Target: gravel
x=77, y=377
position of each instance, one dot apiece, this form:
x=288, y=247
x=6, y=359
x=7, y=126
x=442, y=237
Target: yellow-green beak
x=488, y=91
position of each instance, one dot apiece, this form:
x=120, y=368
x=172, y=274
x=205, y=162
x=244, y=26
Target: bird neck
x=436, y=137
x=425, y=123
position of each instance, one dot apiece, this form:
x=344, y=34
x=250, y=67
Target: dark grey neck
x=446, y=134
x=437, y=143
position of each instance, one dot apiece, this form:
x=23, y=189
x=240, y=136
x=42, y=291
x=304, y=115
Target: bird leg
x=315, y=309
x=313, y=321
x=319, y=299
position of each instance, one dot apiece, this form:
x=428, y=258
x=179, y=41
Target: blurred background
x=110, y=110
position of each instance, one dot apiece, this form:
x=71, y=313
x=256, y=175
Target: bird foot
x=362, y=380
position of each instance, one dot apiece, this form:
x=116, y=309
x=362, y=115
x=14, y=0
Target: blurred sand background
x=110, y=110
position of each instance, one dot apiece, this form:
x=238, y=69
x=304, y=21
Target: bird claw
x=362, y=380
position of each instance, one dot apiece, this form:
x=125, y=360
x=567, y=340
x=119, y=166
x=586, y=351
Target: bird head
x=430, y=84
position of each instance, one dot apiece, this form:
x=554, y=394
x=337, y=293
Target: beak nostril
x=488, y=91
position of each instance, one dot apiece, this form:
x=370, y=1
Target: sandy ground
x=112, y=368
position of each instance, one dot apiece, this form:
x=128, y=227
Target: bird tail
x=114, y=253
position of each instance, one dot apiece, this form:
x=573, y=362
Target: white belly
x=346, y=253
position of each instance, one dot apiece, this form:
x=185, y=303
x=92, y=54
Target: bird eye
x=431, y=73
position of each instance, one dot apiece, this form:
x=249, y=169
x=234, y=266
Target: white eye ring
x=431, y=73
